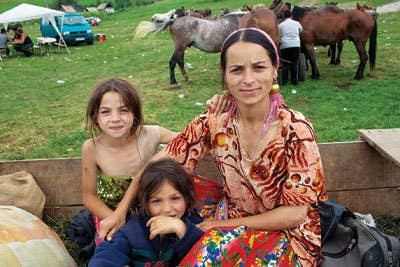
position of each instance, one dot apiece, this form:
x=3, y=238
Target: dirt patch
x=343, y=86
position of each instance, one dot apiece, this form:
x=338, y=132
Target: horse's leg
x=181, y=64
x=172, y=64
x=339, y=49
x=177, y=57
x=362, y=53
x=332, y=49
x=314, y=69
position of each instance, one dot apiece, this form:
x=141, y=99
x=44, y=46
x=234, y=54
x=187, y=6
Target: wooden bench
x=356, y=175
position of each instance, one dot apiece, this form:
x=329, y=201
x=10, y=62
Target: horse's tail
x=146, y=27
x=373, y=44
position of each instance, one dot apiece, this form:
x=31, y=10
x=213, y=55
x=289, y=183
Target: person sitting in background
x=4, y=39
x=22, y=42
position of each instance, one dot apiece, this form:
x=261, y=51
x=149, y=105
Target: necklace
x=251, y=156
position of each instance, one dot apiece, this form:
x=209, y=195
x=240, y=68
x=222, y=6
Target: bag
x=347, y=241
x=82, y=232
x=21, y=190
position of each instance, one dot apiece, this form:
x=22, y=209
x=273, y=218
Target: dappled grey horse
x=204, y=34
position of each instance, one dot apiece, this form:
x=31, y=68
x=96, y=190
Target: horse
x=204, y=34
x=163, y=17
x=329, y=28
x=279, y=7
x=263, y=19
x=199, y=13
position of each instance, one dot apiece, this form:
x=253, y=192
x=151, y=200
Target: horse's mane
x=298, y=12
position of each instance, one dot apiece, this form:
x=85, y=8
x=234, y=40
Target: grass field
x=40, y=118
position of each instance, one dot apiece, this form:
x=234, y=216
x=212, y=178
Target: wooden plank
x=59, y=179
x=376, y=201
x=356, y=165
x=385, y=141
x=356, y=175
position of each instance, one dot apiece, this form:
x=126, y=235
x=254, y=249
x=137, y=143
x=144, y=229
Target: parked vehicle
x=74, y=29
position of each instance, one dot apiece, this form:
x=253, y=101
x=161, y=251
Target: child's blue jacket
x=131, y=245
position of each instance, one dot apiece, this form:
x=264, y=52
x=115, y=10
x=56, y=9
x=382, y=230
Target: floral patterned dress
x=288, y=171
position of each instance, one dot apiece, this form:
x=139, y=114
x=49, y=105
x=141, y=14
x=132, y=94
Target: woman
x=22, y=42
x=267, y=153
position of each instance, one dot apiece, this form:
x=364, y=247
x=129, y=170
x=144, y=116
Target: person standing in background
x=290, y=47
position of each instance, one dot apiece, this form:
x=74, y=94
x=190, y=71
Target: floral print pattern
x=288, y=171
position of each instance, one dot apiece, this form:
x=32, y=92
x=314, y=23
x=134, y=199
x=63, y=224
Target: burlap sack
x=21, y=190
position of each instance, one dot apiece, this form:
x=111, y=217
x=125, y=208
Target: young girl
x=120, y=146
x=165, y=228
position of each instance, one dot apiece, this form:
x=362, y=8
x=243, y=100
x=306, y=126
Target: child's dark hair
x=158, y=172
x=130, y=98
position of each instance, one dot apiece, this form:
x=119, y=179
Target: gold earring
x=275, y=88
x=227, y=94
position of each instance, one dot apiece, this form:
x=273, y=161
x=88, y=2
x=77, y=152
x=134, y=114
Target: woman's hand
x=218, y=104
x=162, y=225
x=110, y=225
x=207, y=225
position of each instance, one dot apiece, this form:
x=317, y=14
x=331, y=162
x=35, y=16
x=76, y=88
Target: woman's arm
x=110, y=225
x=89, y=183
x=166, y=135
x=20, y=40
x=280, y=218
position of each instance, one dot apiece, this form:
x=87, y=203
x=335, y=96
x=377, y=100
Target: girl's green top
x=111, y=189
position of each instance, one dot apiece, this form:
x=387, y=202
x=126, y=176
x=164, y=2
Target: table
x=385, y=141
x=45, y=42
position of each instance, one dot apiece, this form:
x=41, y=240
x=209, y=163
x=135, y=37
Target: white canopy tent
x=25, y=12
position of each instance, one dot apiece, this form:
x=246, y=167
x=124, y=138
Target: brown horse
x=264, y=19
x=330, y=28
x=279, y=7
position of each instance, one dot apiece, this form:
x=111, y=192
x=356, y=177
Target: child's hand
x=218, y=104
x=161, y=225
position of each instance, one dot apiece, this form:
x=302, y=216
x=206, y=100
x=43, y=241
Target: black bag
x=347, y=241
x=82, y=232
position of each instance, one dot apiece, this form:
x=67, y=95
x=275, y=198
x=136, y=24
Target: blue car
x=75, y=29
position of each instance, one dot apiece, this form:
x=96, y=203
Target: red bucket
x=101, y=37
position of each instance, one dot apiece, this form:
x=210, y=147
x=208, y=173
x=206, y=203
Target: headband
x=266, y=35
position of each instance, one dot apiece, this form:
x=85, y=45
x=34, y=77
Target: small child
x=164, y=230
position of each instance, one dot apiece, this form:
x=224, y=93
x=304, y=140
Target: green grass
x=40, y=118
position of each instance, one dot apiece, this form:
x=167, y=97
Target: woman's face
x=249, y=73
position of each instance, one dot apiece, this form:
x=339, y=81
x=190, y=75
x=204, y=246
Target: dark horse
x=329, y=28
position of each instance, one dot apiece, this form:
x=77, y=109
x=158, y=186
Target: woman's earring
x=275, y=88
x=227, y=94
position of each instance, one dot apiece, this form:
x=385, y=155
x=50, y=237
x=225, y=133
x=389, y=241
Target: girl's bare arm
x=89, y=183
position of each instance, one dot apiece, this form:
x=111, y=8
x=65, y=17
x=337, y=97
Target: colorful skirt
x=240, y=246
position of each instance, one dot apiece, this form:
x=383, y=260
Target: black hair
x=287, y=14
x=158, y=172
